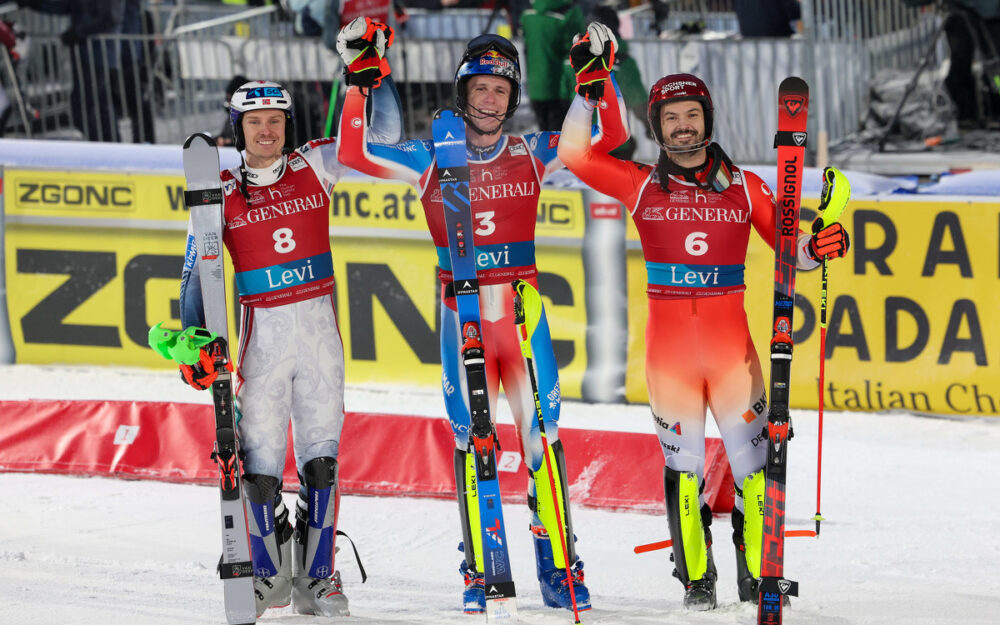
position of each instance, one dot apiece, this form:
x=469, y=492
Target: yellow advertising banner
x=912, y=321
x=93, y=195
x=94, y=259
x=388, y=293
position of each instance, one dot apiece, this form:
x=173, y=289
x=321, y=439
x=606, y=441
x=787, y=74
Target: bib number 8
x=283, y=241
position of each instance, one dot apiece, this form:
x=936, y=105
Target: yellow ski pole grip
x=833, y=198
x=531, y=303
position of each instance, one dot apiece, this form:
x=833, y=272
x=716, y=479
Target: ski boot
x=474, y=595
x=552, y=576
x=689, y=523
x=746, y=582
x=699, y=594
x=550, y=512
x=316, y=586
x=270, y=542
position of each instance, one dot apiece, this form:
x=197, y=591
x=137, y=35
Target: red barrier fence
x=380, y=454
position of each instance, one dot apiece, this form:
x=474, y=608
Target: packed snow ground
x=910, y=536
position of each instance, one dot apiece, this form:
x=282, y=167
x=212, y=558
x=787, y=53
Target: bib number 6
x=695, y=244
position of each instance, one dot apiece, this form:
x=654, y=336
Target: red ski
x=793, y=112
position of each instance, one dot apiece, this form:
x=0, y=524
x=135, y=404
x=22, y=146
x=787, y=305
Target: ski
x=790, y=140
x=204, y=199
x=448, y=129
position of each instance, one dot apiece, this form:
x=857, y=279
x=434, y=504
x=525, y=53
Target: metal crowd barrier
x=160, y=88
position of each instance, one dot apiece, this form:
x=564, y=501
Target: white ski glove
x=592, y=57
x=362, y=45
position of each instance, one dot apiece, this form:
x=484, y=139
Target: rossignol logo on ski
x=793, y=104
x=784, y=585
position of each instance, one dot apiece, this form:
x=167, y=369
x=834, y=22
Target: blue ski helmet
x=489, y=55
x=259, y=95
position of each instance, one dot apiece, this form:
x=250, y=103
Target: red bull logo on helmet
x=492, y=57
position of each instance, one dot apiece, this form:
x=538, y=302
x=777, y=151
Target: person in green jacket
x=549, y=26
x=629, y=79
x=627, y=76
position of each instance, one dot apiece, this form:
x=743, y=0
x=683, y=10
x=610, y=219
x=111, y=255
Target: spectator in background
x=628, y=77
x=308, y=14
x=337, y=13
x=95, y=63
x=8, y=39
x=135, y=77
x=226, y=137
x=974, y=24
x=767, y=18
x=549, y=27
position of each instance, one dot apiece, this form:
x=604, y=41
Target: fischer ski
x=204, y=199
x=448, y=129
x=790, y=140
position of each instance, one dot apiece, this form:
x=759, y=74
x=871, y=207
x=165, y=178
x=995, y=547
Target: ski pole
x=663, y=544
x=334, y=92
x=524, y=293
x=833, y=201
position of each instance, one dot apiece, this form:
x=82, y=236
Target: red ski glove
x=203, y=373
x=831, y=242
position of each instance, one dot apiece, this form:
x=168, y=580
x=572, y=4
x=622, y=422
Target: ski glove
x=203, y=373
x=362, y=45
x=592, y=57
x=830, y=242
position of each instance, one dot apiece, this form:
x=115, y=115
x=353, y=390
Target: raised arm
x=395, y=161
x=599, y=170
x=363, y=44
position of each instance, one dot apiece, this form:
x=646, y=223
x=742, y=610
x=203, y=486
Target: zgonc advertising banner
x=93, y=259
x=912, y=310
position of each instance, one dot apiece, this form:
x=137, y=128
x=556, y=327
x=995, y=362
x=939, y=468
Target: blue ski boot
x=552, y=575
x=474, y=596
x=270, y=542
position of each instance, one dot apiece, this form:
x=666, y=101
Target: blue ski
x=453, y=175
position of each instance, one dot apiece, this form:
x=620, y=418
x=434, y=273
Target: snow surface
x=910, y=536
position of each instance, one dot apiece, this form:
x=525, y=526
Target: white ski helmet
x=258, y=95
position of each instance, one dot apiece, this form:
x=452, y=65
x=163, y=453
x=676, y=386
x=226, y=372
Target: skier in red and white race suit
x=291, y=358
x=694, y=210
x=506, y=173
